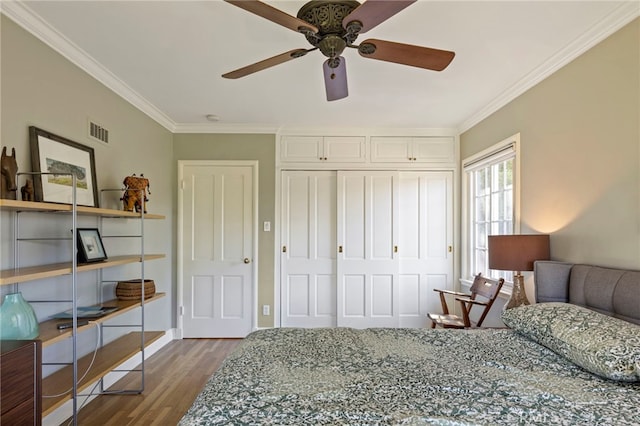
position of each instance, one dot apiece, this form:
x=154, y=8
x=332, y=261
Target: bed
x=573, y=360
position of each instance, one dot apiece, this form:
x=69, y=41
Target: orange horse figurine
x=9, y=173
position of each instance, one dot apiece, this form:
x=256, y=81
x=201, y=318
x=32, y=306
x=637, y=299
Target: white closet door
x=425, y=239
x=308, y=255
x=367, y=268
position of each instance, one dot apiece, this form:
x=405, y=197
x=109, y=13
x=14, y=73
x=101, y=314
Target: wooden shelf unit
x=107, y=358
x=49, y=333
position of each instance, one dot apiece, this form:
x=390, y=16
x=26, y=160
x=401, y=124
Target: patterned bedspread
x=407, y=377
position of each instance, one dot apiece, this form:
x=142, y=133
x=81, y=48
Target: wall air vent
x=98, y=132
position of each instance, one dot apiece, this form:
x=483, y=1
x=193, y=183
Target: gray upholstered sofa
x=614, y=292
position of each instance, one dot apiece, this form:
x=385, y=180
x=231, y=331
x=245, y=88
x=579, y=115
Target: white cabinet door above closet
x=426, y=149
x=318, y=149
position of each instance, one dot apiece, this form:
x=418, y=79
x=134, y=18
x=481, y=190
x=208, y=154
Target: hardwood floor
x=175, y=375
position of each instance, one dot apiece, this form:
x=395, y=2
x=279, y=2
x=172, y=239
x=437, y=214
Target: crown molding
x=368, y=131
x=617, y=19
x=310, y=130
x=224, y=128
x=25, y=17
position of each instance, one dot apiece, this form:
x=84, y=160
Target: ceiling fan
x=333, y=25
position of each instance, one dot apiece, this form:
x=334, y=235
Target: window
x=490, y=204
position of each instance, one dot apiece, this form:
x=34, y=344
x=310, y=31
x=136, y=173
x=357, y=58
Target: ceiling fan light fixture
x=335, y=78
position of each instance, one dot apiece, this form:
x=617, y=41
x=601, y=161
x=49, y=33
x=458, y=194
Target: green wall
x=243, y=147
x=42, y=88
x=580, y=153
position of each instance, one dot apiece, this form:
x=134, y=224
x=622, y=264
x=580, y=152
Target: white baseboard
x=65, y=411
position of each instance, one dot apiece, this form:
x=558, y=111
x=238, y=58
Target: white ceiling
x=166, y=57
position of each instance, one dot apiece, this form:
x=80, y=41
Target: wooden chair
x=485, y=287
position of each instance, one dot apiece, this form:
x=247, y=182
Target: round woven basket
x=132, y=290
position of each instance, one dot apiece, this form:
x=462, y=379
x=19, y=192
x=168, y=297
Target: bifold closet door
x=308, y=252
x=367, y=267
x=425, y=243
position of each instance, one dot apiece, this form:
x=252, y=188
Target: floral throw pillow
x=603, y=345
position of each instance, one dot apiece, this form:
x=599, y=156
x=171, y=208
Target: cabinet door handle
x=246, y=260
x=339, y=249
x=395, y=249
x=284, y=249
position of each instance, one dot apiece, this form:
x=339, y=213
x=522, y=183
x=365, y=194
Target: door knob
x=247, y=260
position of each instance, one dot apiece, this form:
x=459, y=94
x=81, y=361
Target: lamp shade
x=517, y=252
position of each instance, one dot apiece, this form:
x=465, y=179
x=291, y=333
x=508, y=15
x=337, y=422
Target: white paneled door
x=216, y=249
x=308, y=252
x=367, y=278
x=364, y=248
x=424, y=244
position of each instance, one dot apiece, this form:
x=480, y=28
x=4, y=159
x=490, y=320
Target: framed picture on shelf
x=90, y=248
x=54, y=159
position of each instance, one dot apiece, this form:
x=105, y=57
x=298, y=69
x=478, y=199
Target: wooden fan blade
x=373, y=12
x=274, y=15
x=406, y=54
x=267, y=63
x=335, y=80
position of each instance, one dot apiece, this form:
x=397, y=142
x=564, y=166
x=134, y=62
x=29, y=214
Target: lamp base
x=518, y=296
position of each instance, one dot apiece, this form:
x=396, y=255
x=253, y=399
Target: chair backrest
x=487, y=288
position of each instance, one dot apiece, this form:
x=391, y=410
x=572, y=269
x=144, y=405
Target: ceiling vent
x=98, y=132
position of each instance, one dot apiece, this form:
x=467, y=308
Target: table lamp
x=517, y=253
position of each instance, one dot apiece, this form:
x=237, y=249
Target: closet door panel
x=308, y=257
x=354, y=305
x=352, y=216
x=382, y=296
x=410, y=295
x=299, y=219
x=426, y=235
x=381, y=216
x=367, y=228
x=326, y=297
x=298, y=295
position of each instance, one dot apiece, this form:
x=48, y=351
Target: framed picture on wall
x=90, y=248
x=55, y=160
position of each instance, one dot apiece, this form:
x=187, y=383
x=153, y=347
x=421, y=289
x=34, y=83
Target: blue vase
x=18, y=321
